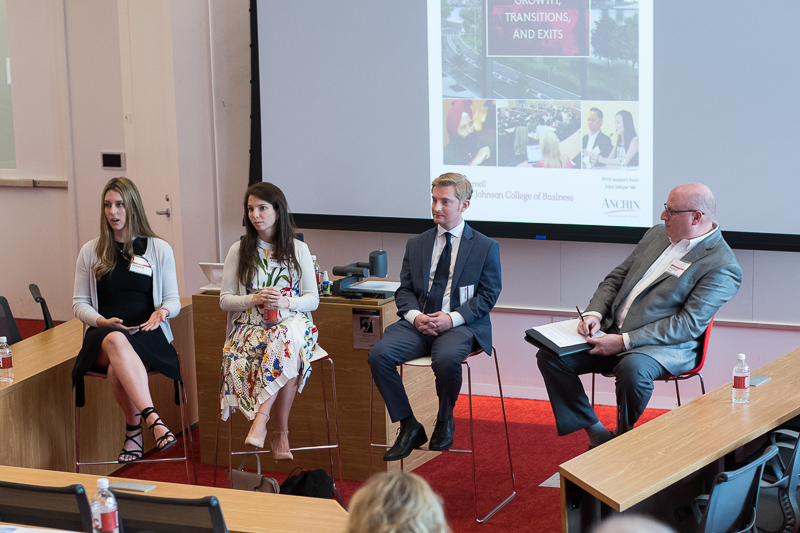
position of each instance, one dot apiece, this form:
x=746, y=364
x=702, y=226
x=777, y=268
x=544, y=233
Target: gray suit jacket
x=477, y=265
x=667, y=318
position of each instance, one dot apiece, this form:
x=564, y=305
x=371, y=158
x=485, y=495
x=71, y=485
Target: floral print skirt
x=257, y=362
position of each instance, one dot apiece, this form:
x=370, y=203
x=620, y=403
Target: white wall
x=168, y=83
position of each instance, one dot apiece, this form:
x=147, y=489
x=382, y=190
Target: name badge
x=677, y=268
x=140, y=265
x=466, y=292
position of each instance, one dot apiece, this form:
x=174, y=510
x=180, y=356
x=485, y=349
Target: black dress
x=129, y=296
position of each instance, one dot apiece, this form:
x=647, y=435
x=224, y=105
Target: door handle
x=167, y=210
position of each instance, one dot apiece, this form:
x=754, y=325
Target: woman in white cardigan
x=125, y=290
x=268, y=290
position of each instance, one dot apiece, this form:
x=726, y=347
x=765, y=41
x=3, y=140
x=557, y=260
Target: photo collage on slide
x=540, y=83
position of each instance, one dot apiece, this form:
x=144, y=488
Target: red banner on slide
x=558, y=28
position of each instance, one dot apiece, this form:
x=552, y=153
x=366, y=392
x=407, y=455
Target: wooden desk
x=674, y=457
x=37, y=409
x=334, y=319
x=244, y=511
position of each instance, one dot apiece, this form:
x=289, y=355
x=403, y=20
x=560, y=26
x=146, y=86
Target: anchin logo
x=620, y=206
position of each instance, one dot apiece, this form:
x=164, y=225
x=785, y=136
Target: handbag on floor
x=315, y=483
x=253, y=481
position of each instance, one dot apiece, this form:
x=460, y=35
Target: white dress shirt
x=438, y=248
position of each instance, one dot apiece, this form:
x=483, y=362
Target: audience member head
x=282, y=239
x=693, y=210
x=459, y=119
x=625, y=128
x=122, y=218
x=396, y=502
x=551, y=150
x=459, y=181
x=631, y=524
x=594, y=120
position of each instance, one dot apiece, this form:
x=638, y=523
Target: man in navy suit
x=449, y=281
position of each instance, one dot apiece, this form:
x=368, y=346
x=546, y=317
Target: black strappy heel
x=167, y=440
x=136, y=454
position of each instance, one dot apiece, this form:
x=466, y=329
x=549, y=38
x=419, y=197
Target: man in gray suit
x=653, y=308
x=449, y=282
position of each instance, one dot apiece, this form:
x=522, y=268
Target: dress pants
x=634, y=374
x=402, y=342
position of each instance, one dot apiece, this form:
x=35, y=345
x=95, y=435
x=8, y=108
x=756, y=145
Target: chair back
x=734, y=498
x=701, y=357
x=140, y=513
x=777, y=506
x=8, y=328
x=53, y=507
x=38, y=298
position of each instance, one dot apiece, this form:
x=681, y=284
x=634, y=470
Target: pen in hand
x=582, y=320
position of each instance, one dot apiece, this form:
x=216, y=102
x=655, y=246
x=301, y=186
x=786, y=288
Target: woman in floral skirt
x=268, y=289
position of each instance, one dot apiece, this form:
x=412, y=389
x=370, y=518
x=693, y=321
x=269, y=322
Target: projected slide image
x=537, y=49
x=546, y=105
x=538, y=133
x=610, y=137
x=470, y=132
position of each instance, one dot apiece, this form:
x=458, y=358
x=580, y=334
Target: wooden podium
x=335, y=320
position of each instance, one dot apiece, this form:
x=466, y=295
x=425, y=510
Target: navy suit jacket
x=477, y=264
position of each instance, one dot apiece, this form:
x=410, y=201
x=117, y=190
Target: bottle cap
x=741, y=357
x=102, y=483
x=313, y=257
x=3, y=339
x=325, y=276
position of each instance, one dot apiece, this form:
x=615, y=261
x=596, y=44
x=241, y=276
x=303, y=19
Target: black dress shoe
x=407, y=440
x=442, y=438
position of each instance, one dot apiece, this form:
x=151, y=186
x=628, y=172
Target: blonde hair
x=396, y=502
x=136, y=225
x=551, y=150
x=459, y=181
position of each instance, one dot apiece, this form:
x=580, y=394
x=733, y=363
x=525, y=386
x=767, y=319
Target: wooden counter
x=37, y=409
x=334, y=319
x=244, y=511
x=664, y=463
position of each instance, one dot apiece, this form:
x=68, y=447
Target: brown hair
x=459, y=181
x=136, y=225
x=283, y=245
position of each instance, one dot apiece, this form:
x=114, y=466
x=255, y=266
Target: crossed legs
x=634, y=373
x=127, y=376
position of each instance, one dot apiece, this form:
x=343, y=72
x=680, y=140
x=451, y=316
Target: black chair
x=37, y=297
x=140, y=513
x=53, y=507
x=732, y=504
x=777, y=503
x=8, y=328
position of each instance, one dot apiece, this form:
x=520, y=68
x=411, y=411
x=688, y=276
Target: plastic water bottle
x=317, y=272
x=621, y=156
x=104, y=509
x=6, y=364
x=741, y=381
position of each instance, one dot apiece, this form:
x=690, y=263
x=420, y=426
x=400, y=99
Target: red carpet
x=536, y=453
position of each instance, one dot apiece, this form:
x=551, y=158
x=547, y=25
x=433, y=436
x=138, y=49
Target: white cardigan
x=165, y=283
x=233, y=295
